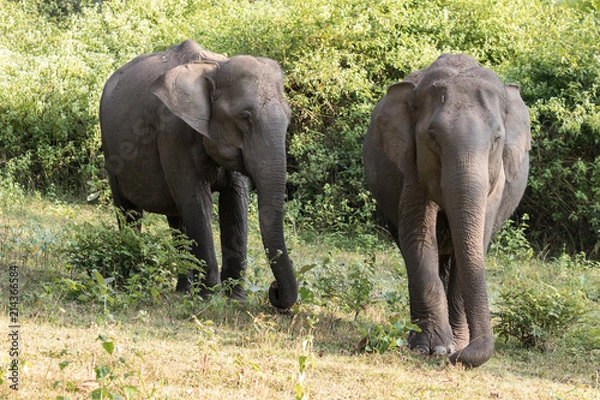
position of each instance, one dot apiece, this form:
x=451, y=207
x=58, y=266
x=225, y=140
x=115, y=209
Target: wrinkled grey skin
x=446, y=157
x=179, y=125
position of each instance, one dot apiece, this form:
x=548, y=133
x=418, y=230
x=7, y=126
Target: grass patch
x=181, y=347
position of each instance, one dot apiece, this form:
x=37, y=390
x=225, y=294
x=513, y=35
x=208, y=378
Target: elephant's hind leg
x=233, y=220
x=184, y=281
x=195, y=222
x=131, y=215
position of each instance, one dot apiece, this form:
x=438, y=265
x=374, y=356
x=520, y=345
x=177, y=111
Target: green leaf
x=102, y=372
x=100, y=394
x=109, y=347
x=64, y=365
x=306, y=268
x=130, y=391
x=130, y=374
x=302, y=363
x=99, y=277
x=108, y=280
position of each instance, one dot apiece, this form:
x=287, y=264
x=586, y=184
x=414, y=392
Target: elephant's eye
x=496, y=141
x=244, y=121
x=432, y=140
x=431, y=134
x=246, y=115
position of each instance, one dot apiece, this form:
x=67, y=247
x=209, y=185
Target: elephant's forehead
x=460, y=90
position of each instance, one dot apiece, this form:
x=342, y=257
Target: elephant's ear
x=185, y=90
x=518, y=132
x=394, y=125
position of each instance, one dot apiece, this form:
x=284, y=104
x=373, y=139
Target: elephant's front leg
x=456, y=308
x=428, y=303
x=195, y=222
x=233, y=215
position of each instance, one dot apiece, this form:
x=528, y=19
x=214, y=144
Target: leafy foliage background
x=339, y=56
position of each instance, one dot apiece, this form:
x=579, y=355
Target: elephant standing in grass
x=446, y=157
x=181, y=124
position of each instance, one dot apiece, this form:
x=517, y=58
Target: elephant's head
x=238, y=105
x=463, y=137
x=472, y=134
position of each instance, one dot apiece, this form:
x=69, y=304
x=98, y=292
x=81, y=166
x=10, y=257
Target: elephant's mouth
x=235, y=164
x=230, y=158
x=238, y=164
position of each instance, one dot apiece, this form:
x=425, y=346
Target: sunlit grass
x=182, y=348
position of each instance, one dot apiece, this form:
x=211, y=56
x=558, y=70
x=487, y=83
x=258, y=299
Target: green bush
x=389, y=336
x=48, y=101
x=339, y=57
x=559, y=70
x=511, y=243
x=534, y=312
x=60, y=9
x=143, y=265
x=349, y=287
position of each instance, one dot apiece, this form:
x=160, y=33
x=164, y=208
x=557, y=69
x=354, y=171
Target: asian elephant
x=446, y=158
x=177, y=126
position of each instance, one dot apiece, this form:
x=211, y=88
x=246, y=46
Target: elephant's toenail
x=439, y=351
x=421, y=349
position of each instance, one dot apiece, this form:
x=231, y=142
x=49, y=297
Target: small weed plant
x=350, y=287
x=305, y=363
x=390, y=336
x=208, y=343
x=115, y=378
x=511, y=243
x=306, y=360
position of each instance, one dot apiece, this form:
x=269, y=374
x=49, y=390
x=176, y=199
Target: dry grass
x=175, y=361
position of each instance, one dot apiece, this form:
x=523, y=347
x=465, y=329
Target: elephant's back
x=128, y=121
x=131, y=121
x=127, y=100
x=128, y=88
x=130, y=83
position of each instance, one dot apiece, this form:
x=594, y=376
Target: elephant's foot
x=477, y=352
x=187, y=283
x=237, y=293
x=184, y=284
x=431, y=343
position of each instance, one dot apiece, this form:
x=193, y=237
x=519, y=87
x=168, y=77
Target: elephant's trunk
x=284, y=291
x=266, y=164
x=465, y=201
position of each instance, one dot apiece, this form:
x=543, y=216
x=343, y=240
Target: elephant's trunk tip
x=283, y=299
x=476, y=353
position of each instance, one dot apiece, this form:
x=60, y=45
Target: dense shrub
x=61, y=9
x=542, y=303
x=339, y=56
x=140, y=264
x=559, y=70
x=535, y=313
